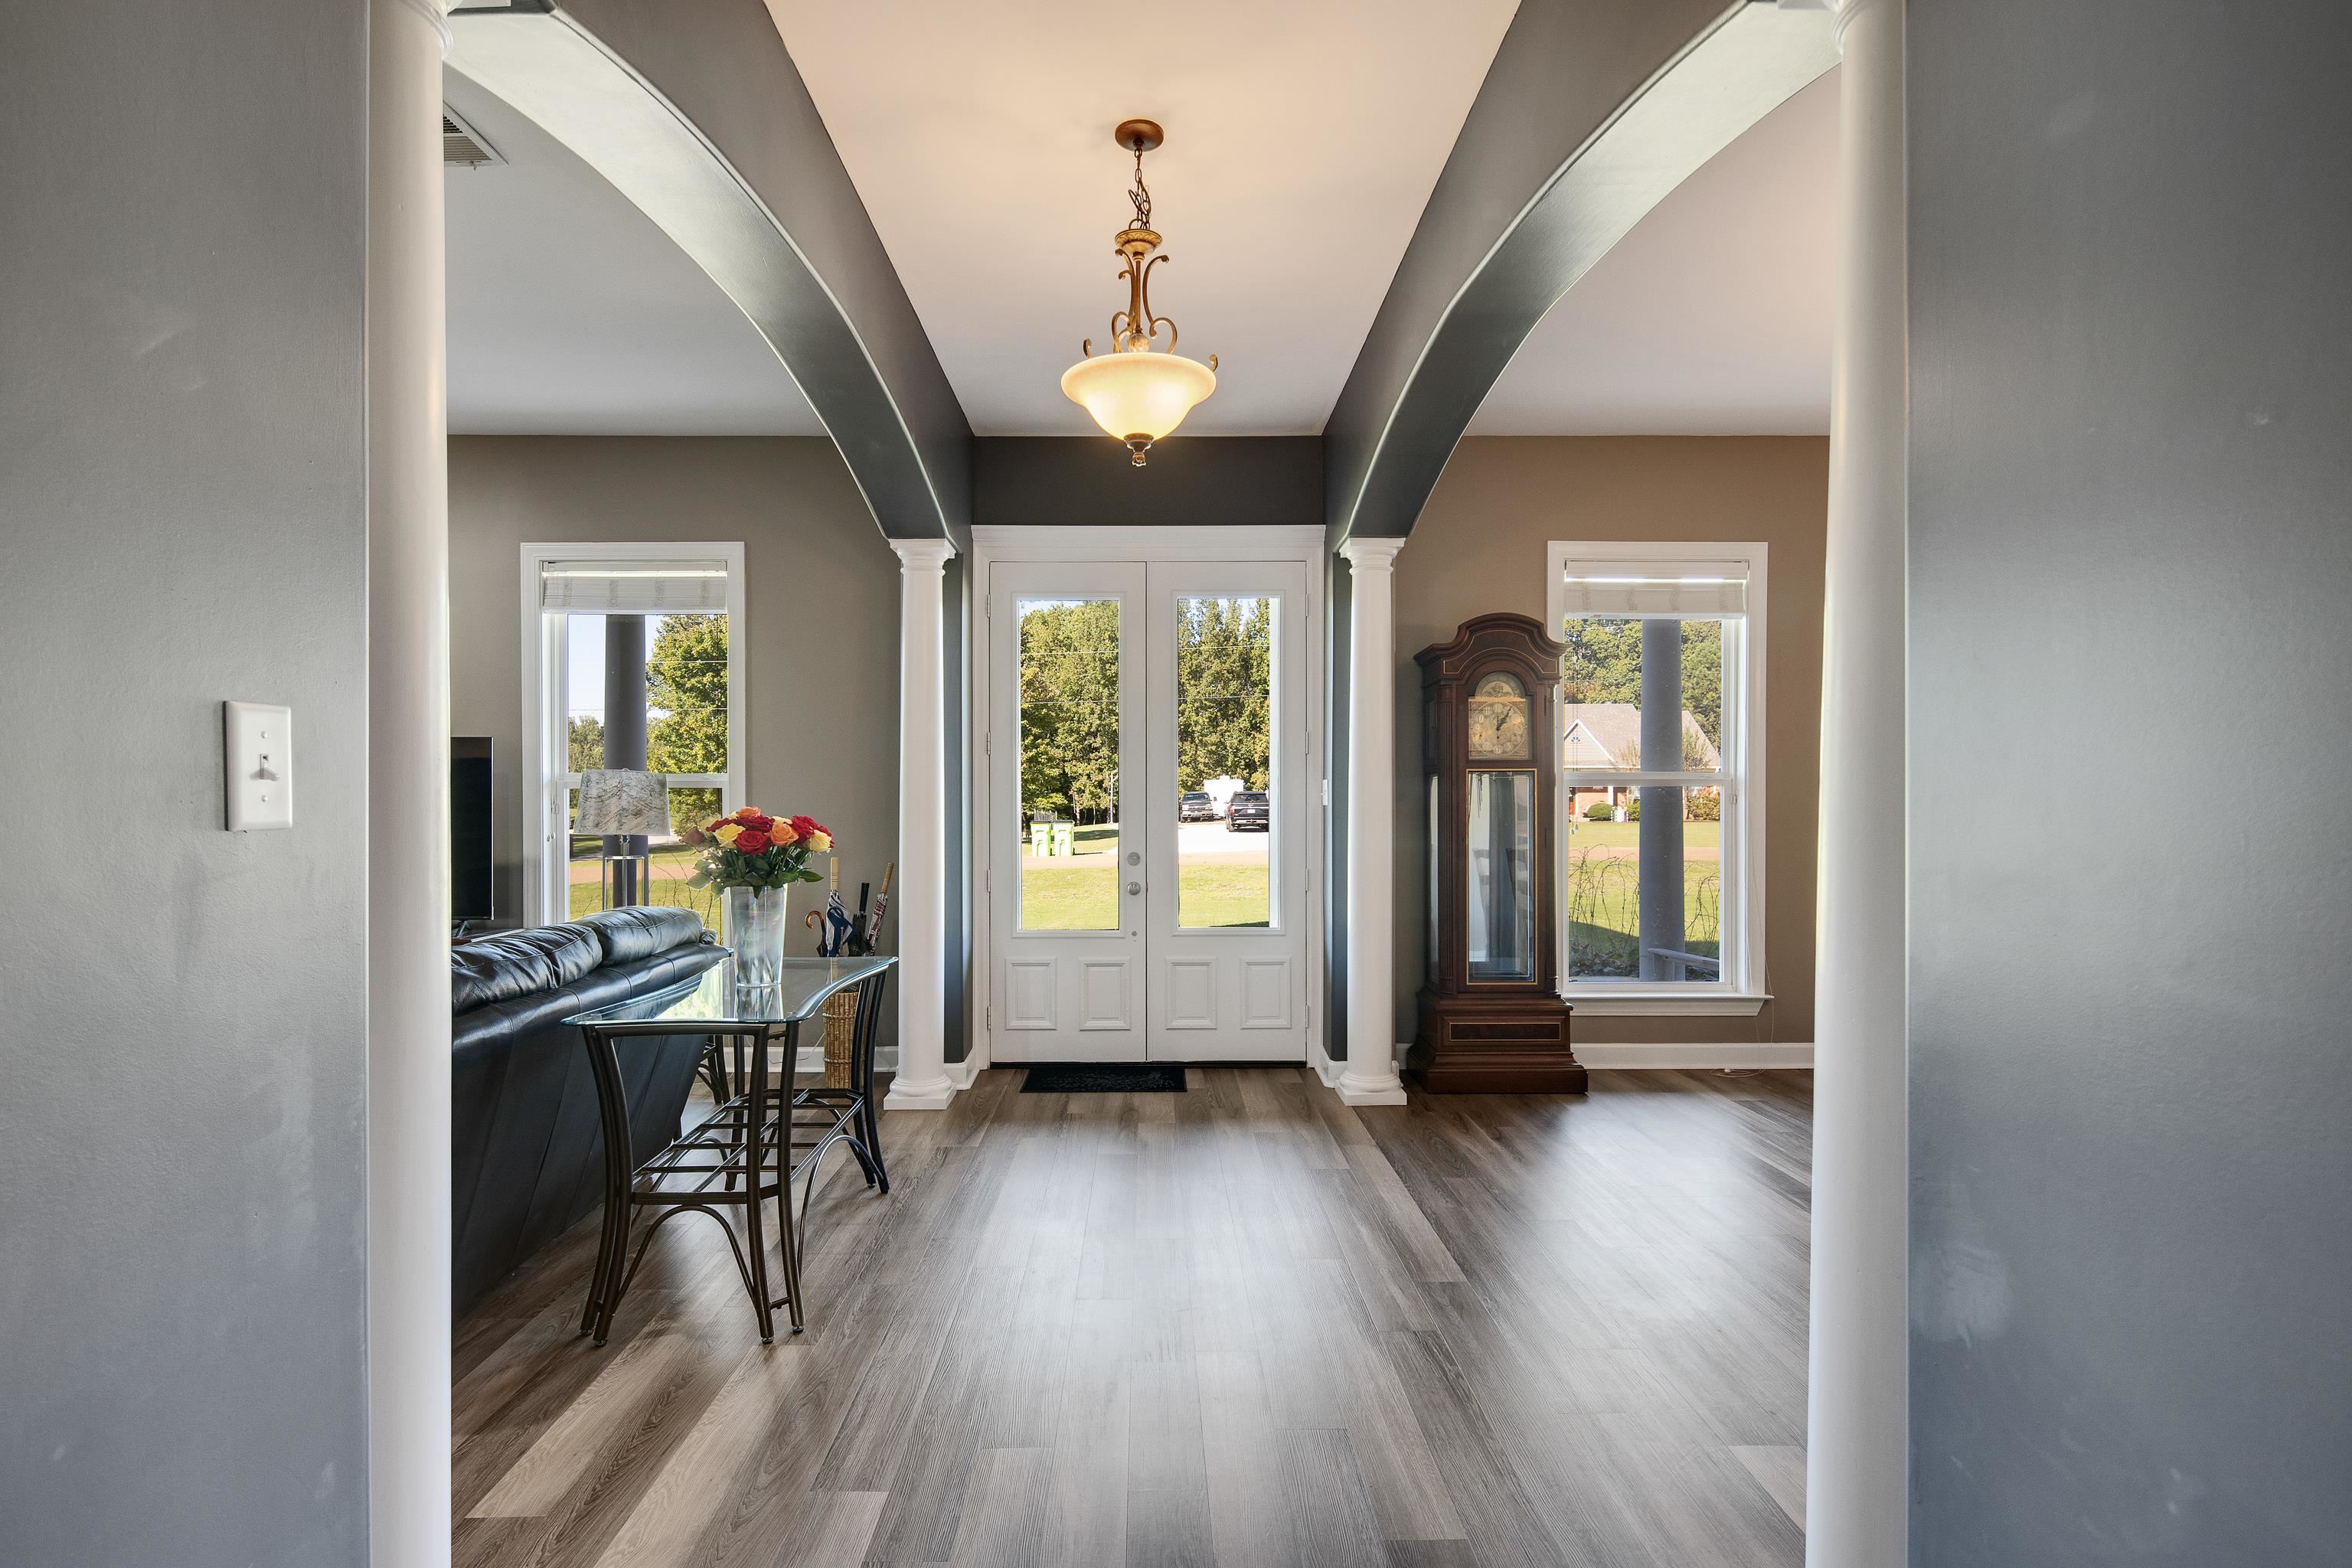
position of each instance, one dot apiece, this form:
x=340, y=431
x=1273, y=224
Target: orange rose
x=782, y=834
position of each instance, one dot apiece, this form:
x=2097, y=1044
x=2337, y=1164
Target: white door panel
x=1240, y=989
x=1069, y=938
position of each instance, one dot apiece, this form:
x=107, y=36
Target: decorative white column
x=922, y=1081
x=408, y=789
x=1858, y=1421
x=1370, y=1076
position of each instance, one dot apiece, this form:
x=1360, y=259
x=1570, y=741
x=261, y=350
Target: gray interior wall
x=955, y=639
x=1339, y=615
x=2131, y=560
x=821, y=597
x=1190, y=481
x=182, y=520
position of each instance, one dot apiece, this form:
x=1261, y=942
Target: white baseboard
x=1784, y=1054
x=1781, y=1055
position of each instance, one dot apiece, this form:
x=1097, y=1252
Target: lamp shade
x=1138, y=395
x=618, y=801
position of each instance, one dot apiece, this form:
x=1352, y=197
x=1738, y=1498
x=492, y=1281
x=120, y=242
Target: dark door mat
x=1104, y=1078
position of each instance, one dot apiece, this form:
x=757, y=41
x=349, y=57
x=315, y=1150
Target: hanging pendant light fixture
x=1139, y=391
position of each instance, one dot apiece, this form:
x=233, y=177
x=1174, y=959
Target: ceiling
x=1712, y=317
x=570, y=314
x=1303, y=142
x=1303, y=139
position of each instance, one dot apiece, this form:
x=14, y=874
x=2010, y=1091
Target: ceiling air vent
x=462, y=145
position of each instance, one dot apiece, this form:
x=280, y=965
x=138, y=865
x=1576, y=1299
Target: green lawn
x=1604, y=915
x=1628, y=835
x=671, y=868
x=1086, y=897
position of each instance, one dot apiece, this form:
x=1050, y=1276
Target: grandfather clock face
x=1498, y=720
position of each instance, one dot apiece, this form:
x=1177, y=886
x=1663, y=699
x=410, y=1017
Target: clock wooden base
x=1500, y=1044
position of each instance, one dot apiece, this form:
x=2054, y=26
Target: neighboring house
x=1609, y=735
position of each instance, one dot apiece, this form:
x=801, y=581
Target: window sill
x=1663, y=1003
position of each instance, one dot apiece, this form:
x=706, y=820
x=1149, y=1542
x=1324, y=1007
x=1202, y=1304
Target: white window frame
x=1740, y=990
x=546, y=672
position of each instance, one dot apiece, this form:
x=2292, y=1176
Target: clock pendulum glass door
x=1500, y=925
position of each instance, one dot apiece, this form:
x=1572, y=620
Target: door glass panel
x=1067, y=821
x=1609, y=880
x=1501, y=860
x=1224, y=729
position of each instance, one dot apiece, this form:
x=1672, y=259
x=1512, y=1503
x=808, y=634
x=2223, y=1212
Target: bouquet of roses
x=753, y=849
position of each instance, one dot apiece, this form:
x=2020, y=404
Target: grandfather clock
x=1492, y=1020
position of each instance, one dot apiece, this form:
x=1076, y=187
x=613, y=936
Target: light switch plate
x=258, y=742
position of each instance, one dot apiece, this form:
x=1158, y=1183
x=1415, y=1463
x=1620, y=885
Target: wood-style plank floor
x=1242, y=1325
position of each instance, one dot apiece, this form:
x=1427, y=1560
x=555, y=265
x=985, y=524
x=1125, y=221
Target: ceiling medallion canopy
x=1138, y=390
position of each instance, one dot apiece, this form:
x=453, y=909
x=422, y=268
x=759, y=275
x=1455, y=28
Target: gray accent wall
x=821, y=600
x=2130, y=734
x=1190, y=481
x=183, y=1030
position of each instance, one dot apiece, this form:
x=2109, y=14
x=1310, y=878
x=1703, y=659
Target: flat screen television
x=472, y=878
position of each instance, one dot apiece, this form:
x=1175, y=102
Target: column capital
x=1374, y=554
x=1845, y=12
x=437, y=16
x=923, y=554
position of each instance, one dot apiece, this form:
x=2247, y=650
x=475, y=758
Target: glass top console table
x=765, y=1133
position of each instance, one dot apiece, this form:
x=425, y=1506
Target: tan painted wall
x=822, y=602
x=1479, y=547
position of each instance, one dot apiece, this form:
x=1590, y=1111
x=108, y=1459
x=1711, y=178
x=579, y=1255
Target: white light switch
x=260, y=742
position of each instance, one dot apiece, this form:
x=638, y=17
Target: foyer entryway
x=1151, y=796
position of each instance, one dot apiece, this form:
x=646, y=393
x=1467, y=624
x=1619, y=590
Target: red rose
x=804, y=826
x=759, y=822
x=750, y=841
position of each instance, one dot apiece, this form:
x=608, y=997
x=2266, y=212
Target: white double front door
x=1125, y=923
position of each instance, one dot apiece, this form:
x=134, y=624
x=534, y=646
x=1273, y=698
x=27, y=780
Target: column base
x=919, y=1097
x=1370, y=1088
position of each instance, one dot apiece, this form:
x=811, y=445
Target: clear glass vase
x=755, y=930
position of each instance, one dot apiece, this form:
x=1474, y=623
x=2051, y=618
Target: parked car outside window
x=1249, y=813
x=1194, y=805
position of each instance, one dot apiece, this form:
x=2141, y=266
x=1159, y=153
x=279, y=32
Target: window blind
x=1658, y=590
x=633, y=587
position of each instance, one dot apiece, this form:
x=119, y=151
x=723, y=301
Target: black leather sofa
x=526, y=1154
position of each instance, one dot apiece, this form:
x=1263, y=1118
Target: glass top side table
x=762, y=1136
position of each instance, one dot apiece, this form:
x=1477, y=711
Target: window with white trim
x=660, y=626
x=1660, y=787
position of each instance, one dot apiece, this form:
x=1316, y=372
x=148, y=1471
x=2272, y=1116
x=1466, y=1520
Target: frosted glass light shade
x=1138, y=395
